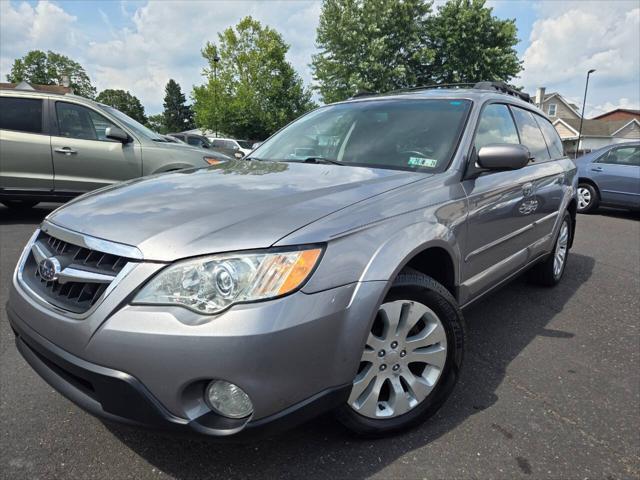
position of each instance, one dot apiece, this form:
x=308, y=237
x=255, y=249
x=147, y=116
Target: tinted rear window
x=21, y=114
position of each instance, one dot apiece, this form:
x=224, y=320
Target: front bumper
x=295, y=357
x=119, y=397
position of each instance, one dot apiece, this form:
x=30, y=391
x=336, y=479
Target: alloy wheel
x=402, y=362
x=560, y=254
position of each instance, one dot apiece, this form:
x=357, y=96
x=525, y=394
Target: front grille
x=77, y=295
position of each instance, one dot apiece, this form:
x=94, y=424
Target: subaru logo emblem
x=49, y=268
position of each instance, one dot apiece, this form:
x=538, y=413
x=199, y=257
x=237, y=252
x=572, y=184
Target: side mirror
x=115, y=133
x=504, y=156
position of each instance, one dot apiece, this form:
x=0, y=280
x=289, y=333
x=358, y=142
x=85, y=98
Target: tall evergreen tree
x=177, y=115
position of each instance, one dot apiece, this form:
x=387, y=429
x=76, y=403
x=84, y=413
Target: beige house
x=598, y=132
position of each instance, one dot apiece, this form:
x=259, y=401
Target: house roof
x=626, y=110
x=38, y=88
x=597, y=128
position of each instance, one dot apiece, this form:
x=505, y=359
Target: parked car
x=194, y=140
x=55, y=147
x=334, y=281
x=171, y=139
x=610, y=176
x=231, y=147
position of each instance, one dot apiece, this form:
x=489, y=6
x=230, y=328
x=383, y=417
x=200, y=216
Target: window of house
x=76, y=121
x=554, y=143
x=495, y=126
x=552, y=109
x=21, y=114
x=530, y=134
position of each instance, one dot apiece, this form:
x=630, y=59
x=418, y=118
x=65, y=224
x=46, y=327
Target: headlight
x=212, y=160
x=211, y=284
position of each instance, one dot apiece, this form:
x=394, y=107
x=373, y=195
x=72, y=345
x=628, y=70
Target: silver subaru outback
x=328, y=271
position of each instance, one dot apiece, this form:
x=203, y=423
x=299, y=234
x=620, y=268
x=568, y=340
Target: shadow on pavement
x=499, y=328
x=33, y=215
x=617, y=213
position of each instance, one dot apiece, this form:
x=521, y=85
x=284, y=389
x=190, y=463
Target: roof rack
x=433, y=86
x=363, y=93
x=503, y=88
x=498, y=86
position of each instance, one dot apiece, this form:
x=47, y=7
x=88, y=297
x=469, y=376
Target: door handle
x=65, y=150
x=596, y=169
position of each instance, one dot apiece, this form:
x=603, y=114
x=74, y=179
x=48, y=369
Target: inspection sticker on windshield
x=423, y=162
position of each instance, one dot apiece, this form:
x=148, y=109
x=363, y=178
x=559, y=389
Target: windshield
x=133, y=125
x=244, y=144
x=407, y=134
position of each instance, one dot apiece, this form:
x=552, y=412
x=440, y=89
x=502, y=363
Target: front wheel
x=411, y=360
x=588, y=198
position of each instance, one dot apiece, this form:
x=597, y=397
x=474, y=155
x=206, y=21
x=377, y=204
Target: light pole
x=584, y=101
x=216, y=59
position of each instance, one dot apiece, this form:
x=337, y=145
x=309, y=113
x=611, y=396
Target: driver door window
x=75, y=121
x=495, y=126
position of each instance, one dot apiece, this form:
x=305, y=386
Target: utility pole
x=584, y=102
x=216, y=59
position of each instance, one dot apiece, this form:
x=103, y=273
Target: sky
x=139, y=45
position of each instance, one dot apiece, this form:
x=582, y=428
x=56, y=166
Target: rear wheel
x=549, y=272
x=411, y=359
x=19, y=204
x=588, y=198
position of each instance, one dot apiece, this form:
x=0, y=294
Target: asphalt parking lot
x=550, y=389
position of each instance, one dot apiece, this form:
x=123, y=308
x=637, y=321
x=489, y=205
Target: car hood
x=238, y=205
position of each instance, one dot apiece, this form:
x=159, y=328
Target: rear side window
x=495, y=126
x=21, y=114
x=530, y=135
x=194, y=141
x=554, y=143
x=75, y=121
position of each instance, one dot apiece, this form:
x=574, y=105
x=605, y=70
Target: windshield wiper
x=322, y=160
x=161, y=140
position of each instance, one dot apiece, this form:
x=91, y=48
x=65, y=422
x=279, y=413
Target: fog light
x=228, y=399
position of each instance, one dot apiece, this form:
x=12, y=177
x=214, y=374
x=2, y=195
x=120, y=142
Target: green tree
x=157, y=123
x=470, y=44
x=177, y=115
x=123, y=101
x=369, y=45
x=251, y=90
x=49, y=69
x=382, y=45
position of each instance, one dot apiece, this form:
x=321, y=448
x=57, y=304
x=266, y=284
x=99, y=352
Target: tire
x=19, y=204
x=588, y=198
x=439, y=327
x=546, y=273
